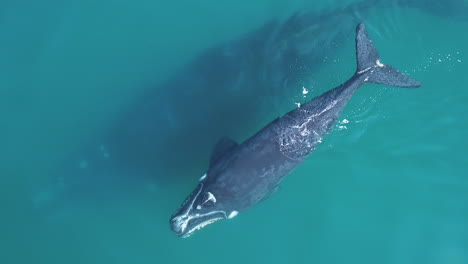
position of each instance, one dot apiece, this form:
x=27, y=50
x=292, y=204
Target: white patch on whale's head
x=201, y=208
x=209, y=198
x=202, y=177
x=233, y=214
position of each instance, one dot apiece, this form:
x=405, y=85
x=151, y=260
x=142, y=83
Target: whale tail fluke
x=368, y=63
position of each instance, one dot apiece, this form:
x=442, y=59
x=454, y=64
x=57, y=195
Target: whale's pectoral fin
x=368, y=61
x=223, y=146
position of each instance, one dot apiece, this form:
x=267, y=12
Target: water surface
x=388, y=185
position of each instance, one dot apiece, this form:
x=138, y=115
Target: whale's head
x=202, y=207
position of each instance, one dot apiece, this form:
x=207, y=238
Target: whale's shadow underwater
x=222, y=92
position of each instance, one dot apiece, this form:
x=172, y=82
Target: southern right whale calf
x=241, y=175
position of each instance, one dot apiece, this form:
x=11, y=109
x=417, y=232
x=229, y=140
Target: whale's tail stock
x=368, y=63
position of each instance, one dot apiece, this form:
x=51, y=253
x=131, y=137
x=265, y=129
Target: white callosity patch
x=233, y=214
x=202, y=177
x=183, y=219
x=304, y=90
x=204, y=223
x=210, y=197
x=201, y=225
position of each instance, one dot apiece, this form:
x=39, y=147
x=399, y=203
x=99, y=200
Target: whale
x=141, y=149
x=242, y=175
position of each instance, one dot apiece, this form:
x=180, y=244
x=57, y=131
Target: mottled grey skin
x=242, y=175
x=251, y=171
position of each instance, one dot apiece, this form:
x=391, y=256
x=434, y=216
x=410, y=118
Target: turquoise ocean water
x=109, y=111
